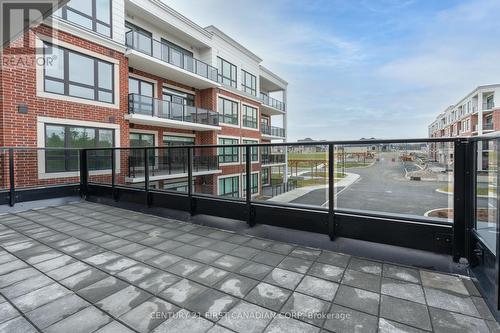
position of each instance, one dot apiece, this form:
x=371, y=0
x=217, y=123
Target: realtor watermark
x=253, y=315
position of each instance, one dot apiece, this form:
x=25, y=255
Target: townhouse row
x=136, y=73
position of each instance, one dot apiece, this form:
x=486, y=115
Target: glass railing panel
x=414, y=180
x=209, y=173
x=487, y=192
x=177, y=111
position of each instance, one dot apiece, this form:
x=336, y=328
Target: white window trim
x=171, y=86
x=239, y=110
x=229, y=176
x=41, y=121
x=143, y=131
x=257, y=141
x=229, y=137
x=147, y=79
x=40, y=92
x=187, y=135
x=258, y=117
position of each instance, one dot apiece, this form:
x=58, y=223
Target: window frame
x=222, y=111
x=254, y=185
x=221, y=64
x=244, y=115
x=222, y=152
x=252, y=90
x=67, y=83
x=93, y=18
x=235, y=179
x=254, y=151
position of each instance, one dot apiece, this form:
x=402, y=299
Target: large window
x=143, y=103
x=62, y=136
x=249, y=116
x=254, y=182
x=249, y=83
x=78, y=75
x=228, y=154
x=91, y=14
x=265, y=176
x=254, y=151
x=228, y=111
x=227, y=72
x=229, y=186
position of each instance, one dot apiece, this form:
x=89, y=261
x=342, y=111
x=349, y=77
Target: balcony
x=271, y=106
x=272, y=132
x=488, y=105
x=152, y=56
x=146, y=110
x=272, y=158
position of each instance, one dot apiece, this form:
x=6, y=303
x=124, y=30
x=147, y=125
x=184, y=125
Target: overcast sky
x=364, y=68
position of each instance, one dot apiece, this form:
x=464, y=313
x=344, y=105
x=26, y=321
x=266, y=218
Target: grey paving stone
x=281, y=248
x=118, y=265
x=493, y=325
x=164, y=260
x=398, y=288
x=204, y=242
x=115, y=244
x=282, y=324
x=146, y=254
x=151, y=313
x=207, y=256
x=208, y=275
x=211, y=304
x=327, y=272
x=184, y=322
x=401, y=273
x=52, y=312
x=184, y=267
x=449, y=322
x=247, y=318
x=187, y=238
x=365, y=266
x=318, y=288
x=443, y=281
x=180, y=292
x=123, y=301
x=306, y=308
x=245, y=252
x=388, y=326
x=482, y=308
x=114, y=327
x=255, y=270
x=136, y=273
x=295, y=264
x=306, y=253
x=405, y=312
x=83, y=279
x=84, y=321
x=185, y=251
x=362, y=280
x=471, y=287
x=446, y=300
x=26, y=286
x=68, y=270
x=88, y=252
x=7, y=312
x=334, y=258
x=236, y=285
x=359, y=299
x=39, y=297
x=129, y=248
x=268, y=258
x=258, y=243
x=48, y=265
x=268, y=296
x=229, y=263
x=238, y=239
x=102, y=258
x=219, y=329
x=11, y=266
x=167, y=245
x=101, y=289
x=284, y=278
x=18, y=324
x=219, y=235
x=345, y=320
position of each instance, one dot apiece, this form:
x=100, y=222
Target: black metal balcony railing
x=138, y=104
x=272, y=102
x=488, y=105
x=160, y=50
x=272, y=130
x=487, y=126
x=273, y=158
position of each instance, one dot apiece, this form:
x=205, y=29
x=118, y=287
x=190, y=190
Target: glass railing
x=159, y=50
x=272, y=102
x=272, y=130
x=273, y=158
x=139, y=104
x=487, y=126
x=488, y=105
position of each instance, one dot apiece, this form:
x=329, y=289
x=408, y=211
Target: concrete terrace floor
x=86, y=267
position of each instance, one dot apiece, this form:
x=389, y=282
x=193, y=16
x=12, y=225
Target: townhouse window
x=228, y=154
x=77, y=75
x=94, y=15
x=138, y=140
x=265, y=176
x=254, y=151
x=227, y=72
x=254, y=182
x=138, y=38
x=63, y=136
x=141, y=95
x=249, y=116
x=229, y=187
x=249, y=83
x=228, y=111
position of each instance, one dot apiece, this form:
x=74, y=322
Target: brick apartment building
x=478, y=113
x=136, y=73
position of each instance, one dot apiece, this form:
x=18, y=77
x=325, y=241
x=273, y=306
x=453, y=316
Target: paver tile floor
x=86, y=267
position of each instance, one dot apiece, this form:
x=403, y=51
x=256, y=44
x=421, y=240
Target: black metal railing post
x=331, y=191
x=113, y=174
x=192, y=202
x=12, y=182
x=146, y=176
x=248, y=189
x=84, y=174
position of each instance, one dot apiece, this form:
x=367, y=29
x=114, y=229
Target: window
x=140, y=96
x=227, y=72
x=77, y=75
x=265, y=176
x=138, y=38
x=178, y=97
x=249, y=83
x=228, y=111
x=254, y=182
x=94, y=15
x=254, y=151
x=249, y=116
x=62, y=136
x=229, y=186
x=228, y=154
